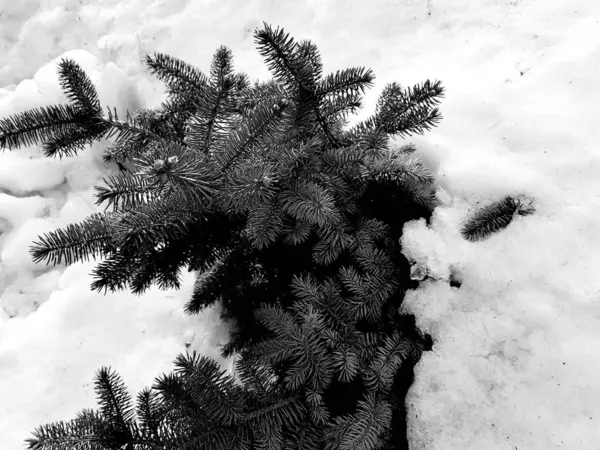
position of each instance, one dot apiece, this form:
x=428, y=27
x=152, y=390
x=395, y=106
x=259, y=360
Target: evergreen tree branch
x=124, y=151
x=364, y=430
x=115, y=403
x=177, y=170
x=114, y=273
x=68, y=142
x=389, y=358
x=262, y=125
x=217, y=107
x=78, y=87
x=124, y=190
x=175, y=73
x=124, y=130
x=86, y=430
x=405, y=111
x=151, y=224
x=495, y=217
x=310, y=202
x=76, y=242
x=278, y=49
x=346, y=83
x=161, y=266
x=262, y=190
x=210, y=388
x=249, y=186
x=151, y=413
x=34, y=126
x=265, y=224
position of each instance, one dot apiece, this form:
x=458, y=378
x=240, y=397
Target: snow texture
x=516, y=352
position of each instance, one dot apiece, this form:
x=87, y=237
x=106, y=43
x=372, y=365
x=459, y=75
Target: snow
x=517, y=348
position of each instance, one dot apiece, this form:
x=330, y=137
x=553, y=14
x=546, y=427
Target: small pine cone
x=495, y=217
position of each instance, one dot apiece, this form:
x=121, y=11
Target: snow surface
x=517, y=347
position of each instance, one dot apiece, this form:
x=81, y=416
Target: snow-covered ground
x=517, y=348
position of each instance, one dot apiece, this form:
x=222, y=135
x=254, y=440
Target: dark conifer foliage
x=495, y=217
x=290, y=217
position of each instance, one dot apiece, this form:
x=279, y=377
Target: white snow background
x=516, y=358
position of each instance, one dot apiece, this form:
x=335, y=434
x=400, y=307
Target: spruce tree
x=288, y=215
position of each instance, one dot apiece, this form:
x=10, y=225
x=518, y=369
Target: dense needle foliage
x=289, y=216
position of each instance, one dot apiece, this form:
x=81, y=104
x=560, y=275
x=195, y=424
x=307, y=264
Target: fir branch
x=221, y=68
x=216, y=107
x=249, y=186
x=115, y=402
x=334, y=240
x=76, y=242
x=372, y=140
x=405, y=111
x=310, y=202
x=213, y=121
x=277, y=47
x=232, y=180
x=278, y=320
x=210, y=388
x=114, y=273
x=175, y=73
x=306, y=288
x=375, y=261
x=296, y=233
x=125, y=151
x=293, y=160
x=346, y=362
x=369, y=292
x=151, y=224
x=304, y=436
x=340, y=106
x=318, y=412
x=347, y=83
x=421, y=194
x=495, y=217
x=207, y=287
x=37, y=125
x=159, y=266
x=401, y=168
x=362, y=431
x=86, y=430
x=179, y=402
x=265, y=92
x=78, y=87
x=265, y=224
x=258, y=379
x=297, y=342
x=371, y=230
x=124, y=130
x=346, y=165
x=151, y=413
x=124, y=191
x=178, y=106
x=307, y=54
x=177, y=169
x=388, y=359
x=282, y=412
x=68, y=142
x=263, y=124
